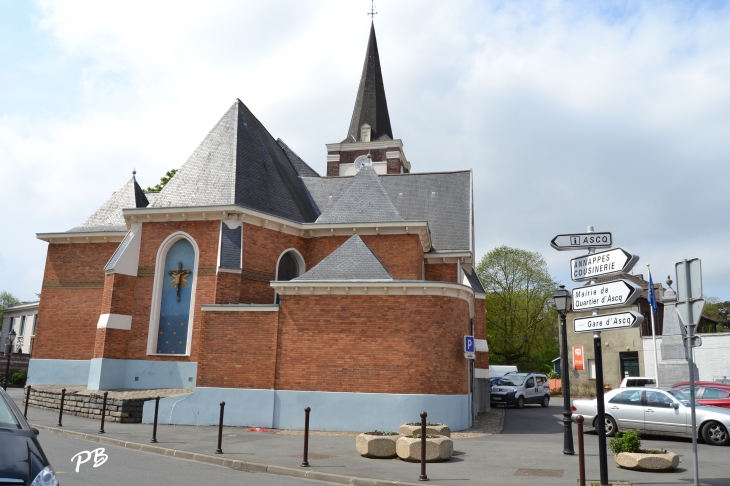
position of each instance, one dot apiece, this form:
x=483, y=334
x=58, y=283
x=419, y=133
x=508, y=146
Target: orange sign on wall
x=578, y=358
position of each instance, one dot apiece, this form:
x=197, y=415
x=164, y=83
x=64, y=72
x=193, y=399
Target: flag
x=652, y=297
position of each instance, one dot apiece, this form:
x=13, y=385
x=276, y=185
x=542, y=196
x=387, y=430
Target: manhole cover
x=541, y=473
x=314, y=455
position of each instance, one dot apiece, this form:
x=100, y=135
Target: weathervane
x=372, y=13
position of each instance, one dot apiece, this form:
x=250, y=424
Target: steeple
x=371, y=108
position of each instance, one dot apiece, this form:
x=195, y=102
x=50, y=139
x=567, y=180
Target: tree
x=163, y=181
x=718, y=311
x=6, y=299
x=522, y=327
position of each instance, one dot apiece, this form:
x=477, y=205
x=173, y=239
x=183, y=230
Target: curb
x=220, y=461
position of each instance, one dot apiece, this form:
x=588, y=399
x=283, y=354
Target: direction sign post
x=582, y=241
x=607, y=322
x=689, y=294
x=602, y=264
x=618, y=293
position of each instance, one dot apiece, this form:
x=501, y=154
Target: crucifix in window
x=178, y=278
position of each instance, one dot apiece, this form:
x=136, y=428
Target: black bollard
x=154, y=424
x=60, y=410
x=581, y=453
x=27, y=399
x=103, y=413
x=305, y=457
x=220, y=430
x=423, y=476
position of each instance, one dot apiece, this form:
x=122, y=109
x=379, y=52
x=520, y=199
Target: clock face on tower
x=362, y=162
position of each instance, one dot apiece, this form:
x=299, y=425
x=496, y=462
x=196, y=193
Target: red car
x=716, y=394
x=702, y=383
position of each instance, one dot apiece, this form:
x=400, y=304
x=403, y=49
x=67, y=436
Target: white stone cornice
x=376, y=144
x=447, y=257
x=304, y=230
x=376, y=287
x=82, y=237
x=239, y=308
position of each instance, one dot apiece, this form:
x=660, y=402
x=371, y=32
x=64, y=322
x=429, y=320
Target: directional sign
x=683, y=311
x=607, y=322
x=689, y=279
x=469, y=344
x=578, y=241
x=602, y=264
x=610, y=294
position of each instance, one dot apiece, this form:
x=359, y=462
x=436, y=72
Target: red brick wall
x=375, y=344
x=238, y=349
x=118, y=296
x=442, y=272
x=227, y=288
x=111, y=343
x=480, y=331
x=67, y=316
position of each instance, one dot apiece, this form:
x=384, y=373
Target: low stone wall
x=121, y=405
x=17, y=362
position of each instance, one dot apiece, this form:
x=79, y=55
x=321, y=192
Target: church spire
x=371, y=108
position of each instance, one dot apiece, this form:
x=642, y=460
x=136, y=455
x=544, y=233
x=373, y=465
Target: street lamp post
x=8, y=348
x=563, y=300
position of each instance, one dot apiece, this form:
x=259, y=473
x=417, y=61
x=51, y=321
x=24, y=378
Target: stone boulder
x=438, y=448
x=643, y=461
x=432, y=429
x=376, y=445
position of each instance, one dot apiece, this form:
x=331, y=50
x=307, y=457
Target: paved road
x=132, y=468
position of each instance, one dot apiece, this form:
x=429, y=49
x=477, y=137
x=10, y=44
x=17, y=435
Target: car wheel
x=715, y=433
x=611, y=427
x=545, y=401
x=521, y=402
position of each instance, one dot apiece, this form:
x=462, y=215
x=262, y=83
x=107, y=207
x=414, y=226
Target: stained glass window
x=172, y=336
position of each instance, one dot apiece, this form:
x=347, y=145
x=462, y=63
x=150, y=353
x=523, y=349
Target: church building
x=252, y=279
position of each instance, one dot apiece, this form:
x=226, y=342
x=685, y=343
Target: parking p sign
x=469, y=345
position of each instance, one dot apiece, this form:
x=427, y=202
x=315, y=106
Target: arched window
x=290, y=266
x=173, y=296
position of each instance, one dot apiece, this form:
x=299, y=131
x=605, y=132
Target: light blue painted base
x=283, y=409
x=58, y=372
x=113, y=374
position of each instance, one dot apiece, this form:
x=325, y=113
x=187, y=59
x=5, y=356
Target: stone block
x=437, y=429
x=380, y=446
x=641, y=461
x=438, y=448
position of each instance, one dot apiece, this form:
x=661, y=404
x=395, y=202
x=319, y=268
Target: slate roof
x=371, y=106
x=474, y=281
x=239, y=162
x=364, y=200
x=354, y=260
x=443, y=199
x=302, y=168
x=109, y=216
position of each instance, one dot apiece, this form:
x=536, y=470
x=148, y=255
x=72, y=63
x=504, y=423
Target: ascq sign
x=610, y=262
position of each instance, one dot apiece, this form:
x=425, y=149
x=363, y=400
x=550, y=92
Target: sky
x=610, y=114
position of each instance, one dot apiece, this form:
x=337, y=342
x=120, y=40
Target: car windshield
x=7, y=417
x=511, y=380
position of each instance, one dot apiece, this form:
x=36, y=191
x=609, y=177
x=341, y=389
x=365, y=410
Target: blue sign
x=469, y=345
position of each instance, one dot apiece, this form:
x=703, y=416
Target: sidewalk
x=528, y=452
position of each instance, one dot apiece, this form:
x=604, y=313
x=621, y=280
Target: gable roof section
x=371, y=106
x=303, y=169
x=354, y=260
x=109, y=216
x=474, y=281
x=364, y=200
x=240, y=163
x=443, y=199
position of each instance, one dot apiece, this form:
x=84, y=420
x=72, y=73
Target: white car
x=520, y=388
x=661, y=411
x=630, y=381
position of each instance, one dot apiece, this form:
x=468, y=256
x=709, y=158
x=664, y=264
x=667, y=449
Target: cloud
x=607, y=114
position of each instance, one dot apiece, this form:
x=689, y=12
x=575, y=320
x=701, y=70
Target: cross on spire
x=372, y=13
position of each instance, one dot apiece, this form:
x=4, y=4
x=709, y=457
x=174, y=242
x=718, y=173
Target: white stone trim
x=333, y=157
x=480, y=345
x=229, y=270
x=392, y=155
x=128, y=261
x=374, y=145
x=239, y=308
x=481, y=373
x=448, y=257
x=375, y=287
x=304, y=230
x=82, y=237
x=157, y=293
x=114, y=321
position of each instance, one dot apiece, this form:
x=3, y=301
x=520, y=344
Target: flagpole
x=653, y=333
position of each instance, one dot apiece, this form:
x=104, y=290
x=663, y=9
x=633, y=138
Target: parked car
x=630, y=381
x=22, y=460
x=521, y=388
x=662, y=411
x=702, y=383
x=715, y=396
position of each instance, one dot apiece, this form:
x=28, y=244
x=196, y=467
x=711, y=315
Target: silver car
x=663, y=411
